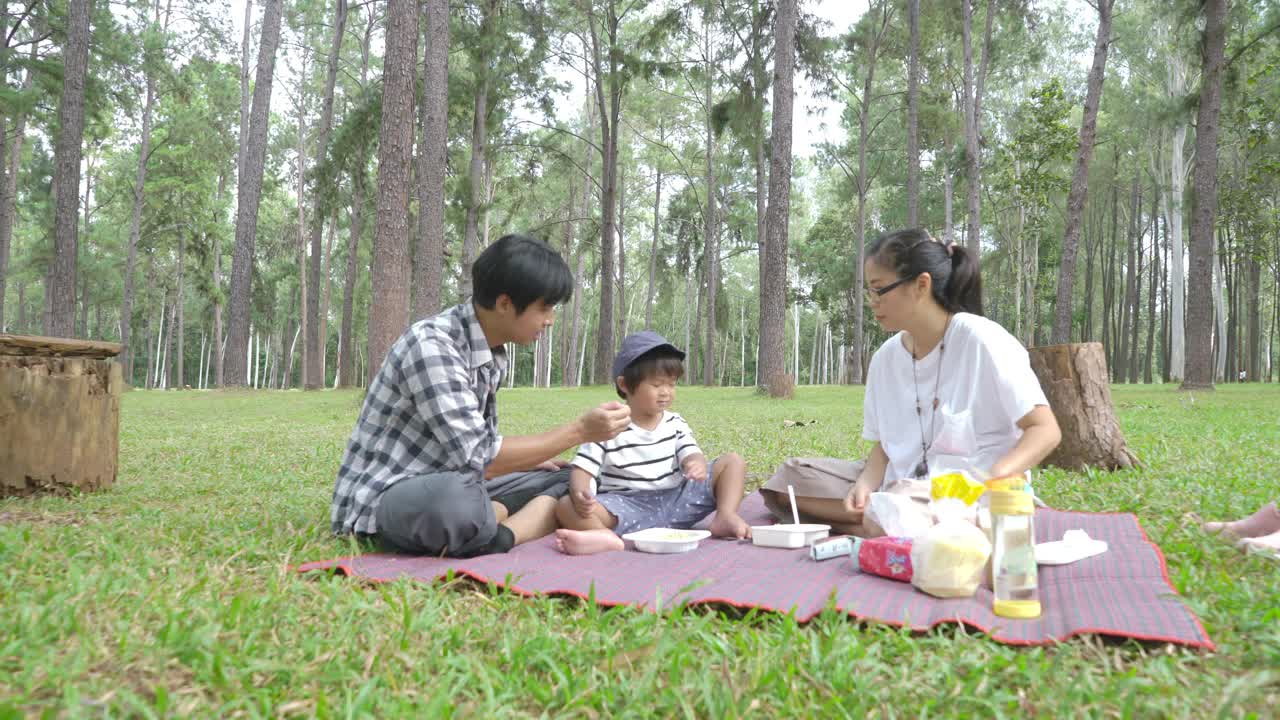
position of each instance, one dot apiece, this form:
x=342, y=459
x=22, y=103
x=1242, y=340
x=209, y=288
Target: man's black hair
x=523, y=268
x=659, y=362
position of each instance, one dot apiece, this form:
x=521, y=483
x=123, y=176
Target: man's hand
x=604, y=422
x=552, y=465
x=584, y=503
x=695, y=467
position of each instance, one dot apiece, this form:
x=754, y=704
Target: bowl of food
x=788, y=535
x=666, y=540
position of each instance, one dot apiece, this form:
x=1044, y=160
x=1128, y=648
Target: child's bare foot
x=1266, y=544
x=1263, y=522
x=730, y=525
x=587, y=542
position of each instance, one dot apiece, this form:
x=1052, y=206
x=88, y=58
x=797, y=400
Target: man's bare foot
x=1263, y=522
x=730, y=525
x=587, y=542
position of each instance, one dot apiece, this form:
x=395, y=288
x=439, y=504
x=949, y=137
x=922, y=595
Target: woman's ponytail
x=962, y=292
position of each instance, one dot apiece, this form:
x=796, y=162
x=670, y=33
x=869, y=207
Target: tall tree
x=314, y=372
x=773, y=294
x=346, y=332
x=609, y=108
x=913, y=115
x=12, y=159
x=66, y=171
x=432, y=158
x=711, y=222
x=973, y=90
x=389, y=312
x=153, y=55
x=481, y=65
x=248, y=199
x=1200, y=313
x=1064, y=308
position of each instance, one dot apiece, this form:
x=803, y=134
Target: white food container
x=788, y=535
x=666, y=540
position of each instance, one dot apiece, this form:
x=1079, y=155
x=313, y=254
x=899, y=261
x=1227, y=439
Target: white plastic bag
x=898, y=515
x=950, y=558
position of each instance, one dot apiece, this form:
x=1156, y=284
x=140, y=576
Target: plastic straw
x=795, y=514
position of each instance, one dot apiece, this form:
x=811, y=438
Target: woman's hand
x=856, y=500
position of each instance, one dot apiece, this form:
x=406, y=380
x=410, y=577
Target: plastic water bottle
x=1013, y=557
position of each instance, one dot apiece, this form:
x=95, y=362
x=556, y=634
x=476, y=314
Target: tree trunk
x=1136, y=300
x=610, y=113
x=304, y=315
x=653, y=247
x=66, y=171
x=1120, y=364
x=1074, y=379
x=711, y=224
x=622, y=254
x=1152, y=282
x=1064, y=304
x=249, y=196
x=973, y=87
x=59, y=414
x=314, y=344
x=389, y=313
x=180, y=380
x=1177, y=271
x=573, y=365
x=1199, y=368
x=948, y=196
x=481, y=70
x=1254, y=349
x=432, y=158
x=772, y=374
x=346, y=339
x=12, y=158
x=913, y=120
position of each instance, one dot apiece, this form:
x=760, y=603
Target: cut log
x=1074, y=378
x=57, y=347
x=59, y=414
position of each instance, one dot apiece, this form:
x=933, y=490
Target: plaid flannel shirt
x=432, y=408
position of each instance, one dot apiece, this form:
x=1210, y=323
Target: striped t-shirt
x=640, y=460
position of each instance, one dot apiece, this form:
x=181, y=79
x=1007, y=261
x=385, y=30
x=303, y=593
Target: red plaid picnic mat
x=1124, y=592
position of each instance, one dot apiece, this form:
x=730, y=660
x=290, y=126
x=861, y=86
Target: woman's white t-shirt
x=985, y=385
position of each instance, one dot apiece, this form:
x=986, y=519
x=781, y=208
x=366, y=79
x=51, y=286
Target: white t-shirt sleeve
x=685, y=444
x=1009, y=372
x=590, y=458
x=870, y=413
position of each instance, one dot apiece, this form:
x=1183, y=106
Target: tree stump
x=59, y=414
x=1075, y=380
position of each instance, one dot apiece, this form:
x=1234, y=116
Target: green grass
x=170, y=594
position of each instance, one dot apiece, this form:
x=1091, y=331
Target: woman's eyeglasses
x=874, y=294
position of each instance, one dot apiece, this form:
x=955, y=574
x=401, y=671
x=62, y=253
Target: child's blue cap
x=637, y=344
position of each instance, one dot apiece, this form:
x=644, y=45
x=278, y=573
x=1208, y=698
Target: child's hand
x=695, y=468
x=584, y=503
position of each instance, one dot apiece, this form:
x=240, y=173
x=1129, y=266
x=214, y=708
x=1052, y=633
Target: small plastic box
x=788, y=535
x=666, y=540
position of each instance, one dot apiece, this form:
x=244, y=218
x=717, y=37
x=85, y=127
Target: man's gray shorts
x=682, y=506
x=450, y=513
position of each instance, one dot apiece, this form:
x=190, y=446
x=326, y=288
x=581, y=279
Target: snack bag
x=949, y=559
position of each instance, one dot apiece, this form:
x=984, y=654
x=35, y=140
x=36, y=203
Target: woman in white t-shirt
x=949, y=384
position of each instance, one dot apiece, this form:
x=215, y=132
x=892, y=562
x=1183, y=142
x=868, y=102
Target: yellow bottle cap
x=1011, y=502
x=1017, y=609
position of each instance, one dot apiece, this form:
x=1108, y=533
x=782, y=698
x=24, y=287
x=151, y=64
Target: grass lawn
x=170, y=594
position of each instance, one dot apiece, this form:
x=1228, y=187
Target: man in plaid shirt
x=425, y=471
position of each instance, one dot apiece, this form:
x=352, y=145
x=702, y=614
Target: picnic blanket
x=1124, y=592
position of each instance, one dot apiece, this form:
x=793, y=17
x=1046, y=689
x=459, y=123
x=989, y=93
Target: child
x=652, y=474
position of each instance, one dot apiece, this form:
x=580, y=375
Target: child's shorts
x=682, y=506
